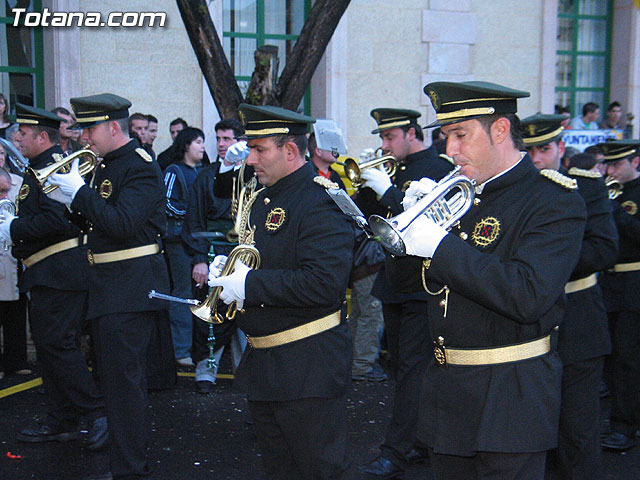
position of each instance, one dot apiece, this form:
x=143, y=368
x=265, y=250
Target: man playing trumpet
x=55, y=273
x=491, y=397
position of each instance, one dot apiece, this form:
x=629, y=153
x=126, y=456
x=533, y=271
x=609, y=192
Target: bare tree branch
x=308, y=50
x=213, y=63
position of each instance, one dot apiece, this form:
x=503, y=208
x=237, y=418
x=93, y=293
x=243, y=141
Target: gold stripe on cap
x=267, y=131
x=620, y=155
x=466, y=112
x=394, y=124
x=542, y=138
x=478, y=100
x=27, y=121
x=272, y=120
x=93, y=119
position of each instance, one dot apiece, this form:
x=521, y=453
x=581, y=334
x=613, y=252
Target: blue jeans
x=179, y=313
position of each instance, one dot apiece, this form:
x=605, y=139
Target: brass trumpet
x=208, y=310
x=445, y=205
x=63, y=164
x=613, y=186
x=353, y=170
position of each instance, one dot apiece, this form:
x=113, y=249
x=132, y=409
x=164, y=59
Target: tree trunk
x=308, y=50
x=213, y=62
x=262, y=89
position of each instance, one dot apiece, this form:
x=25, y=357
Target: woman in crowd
x=178, y=178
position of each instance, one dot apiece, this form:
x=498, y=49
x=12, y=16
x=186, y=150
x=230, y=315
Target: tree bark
x=213, y=62
x=308, y=50
x=262, y=89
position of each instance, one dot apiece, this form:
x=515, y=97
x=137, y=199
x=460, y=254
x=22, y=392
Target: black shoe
x=204, y=386
x=48, y=433
x=381, y=467
x=617, y=441
x=98, y=434
x=416, y=456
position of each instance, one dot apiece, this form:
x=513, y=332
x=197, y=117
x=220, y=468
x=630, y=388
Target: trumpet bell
x=614, y=187
x=208, y=310
x=62, y=165
x=445, y=205
x=353, y=170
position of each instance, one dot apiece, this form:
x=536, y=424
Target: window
x=249, y=24
x=582, y=58
x=21, y=57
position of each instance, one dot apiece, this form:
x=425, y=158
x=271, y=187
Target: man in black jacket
x=297, y=368
x=48, y=244
x=124, y=211
x=405, y=324
x=583, y=339
x=491, y=399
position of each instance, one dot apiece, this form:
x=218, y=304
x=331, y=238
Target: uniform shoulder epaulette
x=581, y=172
x=325, y=182
x=446, y=157
x=560, y=179
x=143, y=153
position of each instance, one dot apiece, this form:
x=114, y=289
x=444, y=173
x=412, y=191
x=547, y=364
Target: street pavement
x=197, y=436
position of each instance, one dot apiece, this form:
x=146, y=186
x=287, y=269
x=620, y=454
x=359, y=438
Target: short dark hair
x=53, y=133
x=183, y=140
x=137, y=116
x=61, y=110
x=594, y=150
x=613, y=105
x=231, y=124
x=300, y=140
x=589, y=107
x=312, y=144
x=417, y=128
x=177, y=121
x=512, y=118
x=151, y=118
x=586, y=161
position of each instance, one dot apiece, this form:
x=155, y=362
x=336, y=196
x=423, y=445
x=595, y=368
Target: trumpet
x=614, y=187
x=208, y=310
x=353, y=170
x=8, y=206
x=445, y=205
x=62, y=165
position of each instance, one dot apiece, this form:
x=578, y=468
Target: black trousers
x=488, y=465
x=625, y=388
x=56, y=318
x=579, y=454
x=13, y=319
x=407, y=333
x=302, y=439
x=121, y=341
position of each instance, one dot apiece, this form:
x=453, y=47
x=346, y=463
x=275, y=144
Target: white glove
x=416, y=191
x=237, y=152
x=5, y=228
x=232, y=285
x=367, y=154
x=376, y=180
x=68, y=183
x=423, y=237
x=215, y=269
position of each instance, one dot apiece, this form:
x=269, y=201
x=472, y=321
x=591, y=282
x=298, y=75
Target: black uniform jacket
x=306, y=245
x=125, y=209
x=584, y=334
x=620, y=290
x=507, y=286
x=426, y=163
x=43, y=222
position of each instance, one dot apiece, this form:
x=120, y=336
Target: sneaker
x=617, y=441
x=376, y=374
x=185, y=362
x=48, y=433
